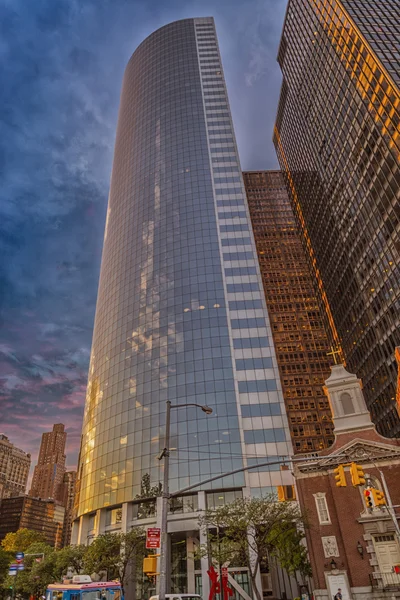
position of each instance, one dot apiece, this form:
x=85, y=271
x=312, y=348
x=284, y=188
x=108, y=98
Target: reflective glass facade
x=337, y=137
x=178, y=250
x=379, y=24
x=298, y=328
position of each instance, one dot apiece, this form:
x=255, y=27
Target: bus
x=99, y=590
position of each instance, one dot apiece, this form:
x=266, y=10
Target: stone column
x=190, y=547
x=83, y=529
x=75, y=532
x=203, y=542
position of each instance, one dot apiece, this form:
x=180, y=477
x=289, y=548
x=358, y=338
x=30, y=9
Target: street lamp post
x=165, y=495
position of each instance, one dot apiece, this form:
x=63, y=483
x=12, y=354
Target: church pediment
x=358, y=450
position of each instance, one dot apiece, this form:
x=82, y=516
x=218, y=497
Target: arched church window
x=347, y=404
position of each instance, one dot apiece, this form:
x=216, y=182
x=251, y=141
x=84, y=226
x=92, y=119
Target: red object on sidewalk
x=215, y=587
x=228, y=591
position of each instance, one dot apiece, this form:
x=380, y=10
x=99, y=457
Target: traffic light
x=379, y=497
x=286, y=493
x=340, y=476
x=368, y=498
x=357, y=475
x=150, y=565
x=281, y=493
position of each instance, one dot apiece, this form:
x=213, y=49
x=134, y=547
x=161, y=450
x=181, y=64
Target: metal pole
x=164, y=509
x=389, y=504
x=15, y=583
x=219, y=565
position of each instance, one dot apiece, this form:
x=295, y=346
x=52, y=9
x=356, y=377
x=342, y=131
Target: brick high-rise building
x=337, y=137
x=43, y=516
x=68, y=503
x=49, y=472
x=298, y=328
x=14, y=469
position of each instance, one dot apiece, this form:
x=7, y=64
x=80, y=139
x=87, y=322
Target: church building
x=354, y=538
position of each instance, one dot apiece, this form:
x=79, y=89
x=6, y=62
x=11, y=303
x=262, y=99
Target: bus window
x=92, y=595
x=75, y=596
x=102, y=595
x=57, y=595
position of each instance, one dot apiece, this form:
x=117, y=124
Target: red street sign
x=153, y=538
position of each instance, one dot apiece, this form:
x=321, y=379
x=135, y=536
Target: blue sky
x=62, y=63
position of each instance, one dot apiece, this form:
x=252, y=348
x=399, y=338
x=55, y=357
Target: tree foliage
x=20, y=540
x=250, y=530
x=36, y=575
x=116, y=554
x=71, y=558
x=5, y=560
x=291, y=552
x=147, y=490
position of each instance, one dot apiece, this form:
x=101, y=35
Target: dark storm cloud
x=62, y=63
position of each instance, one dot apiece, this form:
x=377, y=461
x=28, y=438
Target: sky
x=61, y=65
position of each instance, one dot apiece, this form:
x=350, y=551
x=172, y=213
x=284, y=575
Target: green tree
x=147, y=490
x=20, y=540
x=291, y=552
x=250, y=530
x=36, y=575
x=5, y=560
x=70, y=558
x=116, y=554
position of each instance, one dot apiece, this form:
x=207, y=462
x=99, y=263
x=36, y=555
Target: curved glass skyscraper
x=181, y=314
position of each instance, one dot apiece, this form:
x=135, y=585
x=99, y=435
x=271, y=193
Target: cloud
x=62, y=66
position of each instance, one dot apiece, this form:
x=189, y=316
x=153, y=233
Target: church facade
x=352, y=547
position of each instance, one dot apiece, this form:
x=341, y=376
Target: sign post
x=153, y=538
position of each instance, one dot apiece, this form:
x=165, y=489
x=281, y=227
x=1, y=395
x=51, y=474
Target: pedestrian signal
x=368, y=498
x=150, y=565
x=340, y=476
x=379, y=497
x=357, y=475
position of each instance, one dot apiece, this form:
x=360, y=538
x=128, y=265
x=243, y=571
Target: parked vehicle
x=82, y=588
x=179, y=597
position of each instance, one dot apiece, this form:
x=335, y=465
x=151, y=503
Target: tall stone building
x=337, y=137
x=49, y=472
x=69, y=482
x=298, y=329
x=14, y=469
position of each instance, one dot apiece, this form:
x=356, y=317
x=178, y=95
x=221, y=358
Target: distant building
x=14, y=469
x=49, y=472
x=298, y=329
x=43, y=516
x=351, y=546
x=68, y=503
x=337, y=138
